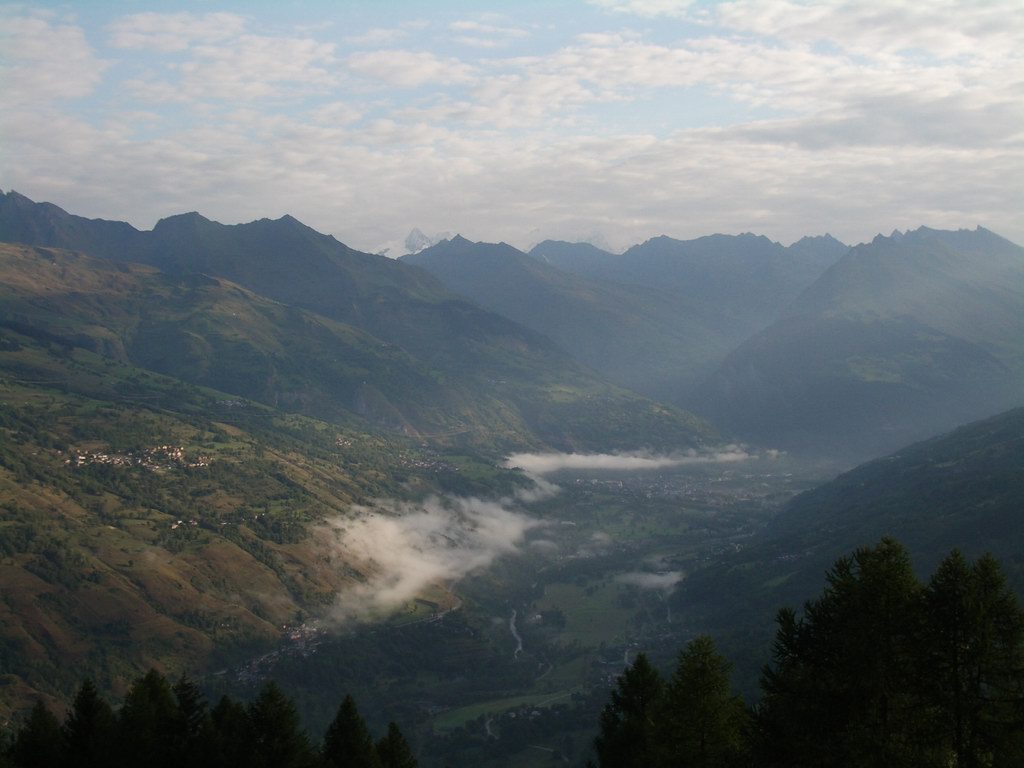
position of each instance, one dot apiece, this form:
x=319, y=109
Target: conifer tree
x=279, y=741
x=233, y=740
x=841, y=689
x=394, y=751
x=39, y=743
x=193, y=713
x=700, y=722
x=89, y=730
x=148, y=732
x=626, y=725
x=973, y=662
x=347, y=743
x=193, y=723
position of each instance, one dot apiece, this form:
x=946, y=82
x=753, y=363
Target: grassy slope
x=100, y=577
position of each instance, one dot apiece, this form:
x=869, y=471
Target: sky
x=609, y=121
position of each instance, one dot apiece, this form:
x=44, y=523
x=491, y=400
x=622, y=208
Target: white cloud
x=782, y=179
x=257, y=66
x=403, y=548
x=610, y=68
x=646, y=7
x=409, y=69
x=664, y=582
x=946, y=29
x=487, y=29
x=169, y=32
x=592, y=135
x=377, y=36
x=42, y=60
x=547, y=463
x=252, y=67
x=482, y=34
x=942, y=28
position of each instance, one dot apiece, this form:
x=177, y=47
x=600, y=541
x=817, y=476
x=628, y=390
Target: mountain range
x=816, y=347
x=901, y=338
x=635, y=336
x=400, y=348
x=657, y=318
x=813, y=348
x=181, y=408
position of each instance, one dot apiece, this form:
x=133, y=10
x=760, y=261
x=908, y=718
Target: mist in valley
x=540, y=464
x=401, y=549
x=405, y=549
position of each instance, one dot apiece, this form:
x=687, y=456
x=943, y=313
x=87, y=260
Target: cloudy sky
x=518, y=121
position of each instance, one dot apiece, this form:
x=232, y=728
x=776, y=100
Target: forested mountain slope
x=480, y=376
x=963, y=489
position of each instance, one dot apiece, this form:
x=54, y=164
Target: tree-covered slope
x=881, y=669
x=963, y=489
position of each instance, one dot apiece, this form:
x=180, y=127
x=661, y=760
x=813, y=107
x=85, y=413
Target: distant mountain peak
x=823, y=249
x=180, y=220
x=417, y=241
x=826, y=238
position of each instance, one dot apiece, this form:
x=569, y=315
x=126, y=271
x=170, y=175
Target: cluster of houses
x=160, y=457
x=298, y=640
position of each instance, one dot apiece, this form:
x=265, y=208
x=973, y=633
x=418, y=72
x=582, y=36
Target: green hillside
x=207, y=331
x=148, y=522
